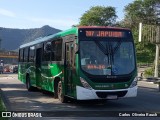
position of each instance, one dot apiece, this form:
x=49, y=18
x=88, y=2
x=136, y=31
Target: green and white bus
x=83, y=63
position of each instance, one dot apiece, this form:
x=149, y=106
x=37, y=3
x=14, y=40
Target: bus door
x=38, y=66
x=69, y=52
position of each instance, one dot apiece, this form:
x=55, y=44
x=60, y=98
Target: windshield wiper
x=111, y=53
x=117, y=47
x=102, y=48
x=109, y=50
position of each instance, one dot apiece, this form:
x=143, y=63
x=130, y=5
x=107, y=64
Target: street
x=17, y=98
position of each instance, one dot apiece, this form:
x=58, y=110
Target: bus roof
x=119, y=28
x=73, y=30
x=46, y=38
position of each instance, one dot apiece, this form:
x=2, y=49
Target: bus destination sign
x=117, y=34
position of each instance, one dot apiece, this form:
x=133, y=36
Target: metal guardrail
x=144, y=65
x=11, y=56
x=8, y=54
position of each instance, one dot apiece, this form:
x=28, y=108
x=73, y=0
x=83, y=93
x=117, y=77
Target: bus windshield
x=99, y=57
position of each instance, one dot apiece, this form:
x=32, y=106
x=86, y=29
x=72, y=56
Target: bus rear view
x=107, y=63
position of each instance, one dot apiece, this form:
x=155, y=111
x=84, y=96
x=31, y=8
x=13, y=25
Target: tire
x=28, y=84
x=56, y=93
x=61, y=96
x=56, y=89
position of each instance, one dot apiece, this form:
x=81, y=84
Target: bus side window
x=31, y=54
x=72, y=55
x=26, y=55
x=21, y=55
x=56, y=50
x=67, y=55
x=47, y=51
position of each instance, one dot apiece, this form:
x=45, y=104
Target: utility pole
x=157, y=40
x=157, y=51
x=156, y=61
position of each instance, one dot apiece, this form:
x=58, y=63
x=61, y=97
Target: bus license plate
x=112, y=97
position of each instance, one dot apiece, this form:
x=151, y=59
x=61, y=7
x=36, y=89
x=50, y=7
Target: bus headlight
x=85, y=84
x=134, y=83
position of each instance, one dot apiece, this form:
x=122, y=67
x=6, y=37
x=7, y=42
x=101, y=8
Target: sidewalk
x=149, y=83
x=144, y=83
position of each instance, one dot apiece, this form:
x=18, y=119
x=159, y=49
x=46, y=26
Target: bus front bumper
x=87, y=94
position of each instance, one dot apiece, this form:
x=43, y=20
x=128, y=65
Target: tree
x=144, y=11
x=141, y=11
x=99, y=16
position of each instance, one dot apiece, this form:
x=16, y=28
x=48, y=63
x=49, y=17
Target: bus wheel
x=56, y=89
x=61, y=97
x=28, y=84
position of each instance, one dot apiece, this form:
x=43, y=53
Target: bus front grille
x=105, y=94
x=110, y=80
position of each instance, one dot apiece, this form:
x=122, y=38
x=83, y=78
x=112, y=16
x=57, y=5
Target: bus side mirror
x=76, y=48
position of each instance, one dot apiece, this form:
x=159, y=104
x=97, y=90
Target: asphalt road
x=17, y=98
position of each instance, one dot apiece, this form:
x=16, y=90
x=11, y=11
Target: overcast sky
x=60, y=14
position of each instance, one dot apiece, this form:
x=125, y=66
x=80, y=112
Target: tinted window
x=47, y=51
x=31, y=54
x=21, y=55
x=56, y=50
x=26, y=55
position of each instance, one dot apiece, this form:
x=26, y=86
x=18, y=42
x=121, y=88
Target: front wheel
x=61, y=96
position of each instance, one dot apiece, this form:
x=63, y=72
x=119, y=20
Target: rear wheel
x=56, y=89
x=28, y=84
x=61, y=96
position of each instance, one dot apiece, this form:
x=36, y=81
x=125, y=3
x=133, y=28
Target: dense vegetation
x=99, y=16
x=144, y=11
x=2, y=108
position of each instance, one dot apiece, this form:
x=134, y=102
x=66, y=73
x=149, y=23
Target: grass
x=2, y=108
